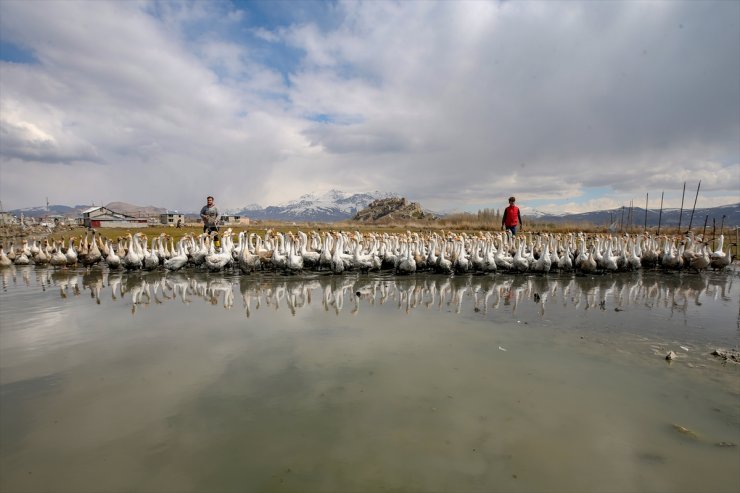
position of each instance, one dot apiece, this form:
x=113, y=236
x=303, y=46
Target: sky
x=570, y=106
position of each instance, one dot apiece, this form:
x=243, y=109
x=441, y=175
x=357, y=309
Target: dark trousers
x=209, y=229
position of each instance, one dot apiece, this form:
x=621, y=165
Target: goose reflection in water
x=481, y=293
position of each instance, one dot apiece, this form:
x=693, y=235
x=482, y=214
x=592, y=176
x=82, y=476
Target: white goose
x=248, y=261
x=71, y=254
x=609, y=260
x=566, y=259
x=407, y=265
x=554, y=257
x=58, y=259
x=503, y=259
x=720, y=259
x=460, y=260
x=543, y=263
x=21, y=258
x=363, y=261
x=582, y=253
x=93, y=253
x=279, y=258
x=4, y=260
x=113, y=260
x=588, y=265
x=337, y=262
x=310, y=257
x=294, y=260
x=521, y=263
x=444, y=265
x=178, y=259
x=701, y=260
x=41, y=257
x=671, y=258
x=489, y=260
x=151, y=257
x=476, y=257
x=11, y=252
x=133, y=258
x=219, y=260
x=200, y=250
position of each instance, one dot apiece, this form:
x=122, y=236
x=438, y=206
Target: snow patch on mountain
x=334, y=205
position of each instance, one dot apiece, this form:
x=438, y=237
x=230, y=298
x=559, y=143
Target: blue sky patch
x=10, y=52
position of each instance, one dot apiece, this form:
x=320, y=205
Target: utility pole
x=660, y=214
x=692, y=209
x=680, y=214
x=646, y=207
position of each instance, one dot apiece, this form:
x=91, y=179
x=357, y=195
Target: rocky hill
x=391, y=209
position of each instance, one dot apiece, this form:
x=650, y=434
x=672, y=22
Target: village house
x=172, y=218
x=102, y=217
x=232, y=220
x=7, y=218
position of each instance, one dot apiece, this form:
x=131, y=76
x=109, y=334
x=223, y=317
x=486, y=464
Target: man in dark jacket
x=512, y=217
x=211, y=217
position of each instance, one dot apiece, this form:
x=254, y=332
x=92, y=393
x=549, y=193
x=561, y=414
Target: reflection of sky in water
x=338, y=383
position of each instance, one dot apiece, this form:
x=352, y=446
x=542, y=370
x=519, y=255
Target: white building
x=172, y=218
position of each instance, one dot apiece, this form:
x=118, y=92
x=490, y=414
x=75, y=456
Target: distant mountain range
x=336, y=205
x=669, y=217
x=65, y=210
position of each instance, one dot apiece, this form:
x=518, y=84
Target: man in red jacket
x=512, y=217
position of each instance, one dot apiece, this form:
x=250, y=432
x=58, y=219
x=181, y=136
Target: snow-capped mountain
x=333, y=205
x=536, y=213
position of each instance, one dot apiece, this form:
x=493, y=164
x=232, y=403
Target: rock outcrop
x=391, y=209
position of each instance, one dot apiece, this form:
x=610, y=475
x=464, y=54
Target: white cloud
x=453, y=104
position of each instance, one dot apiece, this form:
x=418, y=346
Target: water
x=202, y=382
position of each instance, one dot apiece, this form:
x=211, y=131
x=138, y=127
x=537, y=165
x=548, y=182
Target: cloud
x=452, y=104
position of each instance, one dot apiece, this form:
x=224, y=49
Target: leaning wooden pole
x=692, y=209
x=646, y=206
x=660, y=214
x=680, y=213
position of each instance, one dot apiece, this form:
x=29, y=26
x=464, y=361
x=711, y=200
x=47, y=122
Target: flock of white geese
x=403, y=253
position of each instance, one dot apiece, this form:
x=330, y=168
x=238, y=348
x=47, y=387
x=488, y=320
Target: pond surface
x=201, y=382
